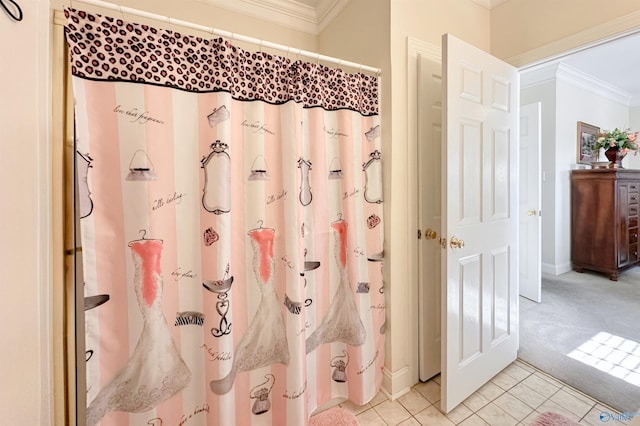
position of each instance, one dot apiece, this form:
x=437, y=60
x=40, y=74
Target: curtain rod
x=227, y=34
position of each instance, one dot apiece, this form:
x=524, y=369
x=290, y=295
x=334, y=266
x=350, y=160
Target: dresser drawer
x=633, y=210
x=633, y=236
x=633, y=187
x=633, y=253
x=633, y=198
x=633, y=222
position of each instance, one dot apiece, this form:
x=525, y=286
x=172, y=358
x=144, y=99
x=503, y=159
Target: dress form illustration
x=373, y=182
x=155, y=370
x=84, y=194
x=305, y=186
x=264, y=341
x=342, y=322
x=217, y=176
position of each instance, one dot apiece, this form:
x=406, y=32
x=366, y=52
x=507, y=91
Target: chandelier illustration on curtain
x=233, y=217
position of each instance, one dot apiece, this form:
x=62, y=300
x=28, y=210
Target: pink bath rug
x=553, y=419
x=335, y=416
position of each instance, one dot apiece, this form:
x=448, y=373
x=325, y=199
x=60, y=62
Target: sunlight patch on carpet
x=611, y=354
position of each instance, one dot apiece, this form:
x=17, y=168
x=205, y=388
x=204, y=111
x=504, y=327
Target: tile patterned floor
x=516, y=396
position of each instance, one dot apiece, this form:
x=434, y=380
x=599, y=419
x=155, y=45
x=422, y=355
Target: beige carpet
x=577, y=310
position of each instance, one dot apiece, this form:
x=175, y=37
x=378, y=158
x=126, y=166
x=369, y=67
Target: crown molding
x=326, y=10
x=287, y=13
x=567, y=74
x=592, y=84
x=539, y=75
x=607, y=31
x=489, y=4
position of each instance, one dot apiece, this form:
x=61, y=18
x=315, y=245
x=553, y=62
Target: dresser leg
x=578, y=269
x=613, y=276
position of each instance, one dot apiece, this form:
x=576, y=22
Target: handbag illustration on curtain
x=141, y=167
x=155, y=370
x=216, y=197
x=218, y=115
x=261, y=396
x=335, y=169
x=259, y=169
x=340, y=367
x=84, y=193
x=373, y=133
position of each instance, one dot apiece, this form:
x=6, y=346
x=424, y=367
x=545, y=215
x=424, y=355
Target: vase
x=615, y=158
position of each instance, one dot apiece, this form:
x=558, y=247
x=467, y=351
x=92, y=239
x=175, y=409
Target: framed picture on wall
x=587, y=136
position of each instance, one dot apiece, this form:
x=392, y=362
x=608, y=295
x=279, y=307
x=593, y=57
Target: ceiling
x=610, y=62
x=310, y=16
x=615, y=63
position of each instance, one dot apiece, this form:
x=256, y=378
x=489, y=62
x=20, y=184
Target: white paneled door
x=530, y=202
x=479, y=218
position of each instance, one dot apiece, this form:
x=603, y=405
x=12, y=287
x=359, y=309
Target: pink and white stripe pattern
x=160, y=154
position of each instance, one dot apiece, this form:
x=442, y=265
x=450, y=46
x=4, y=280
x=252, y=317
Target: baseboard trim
x=396, y=383
x=556, y=269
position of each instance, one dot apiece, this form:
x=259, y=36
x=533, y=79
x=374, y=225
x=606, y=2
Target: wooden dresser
x=604, y=220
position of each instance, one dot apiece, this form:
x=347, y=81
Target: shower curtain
x=231, y=225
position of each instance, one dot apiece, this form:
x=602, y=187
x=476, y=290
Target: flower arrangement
x=623, y=140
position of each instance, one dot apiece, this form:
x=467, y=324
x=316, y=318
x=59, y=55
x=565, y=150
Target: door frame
x=603, y=33
x=415, y=48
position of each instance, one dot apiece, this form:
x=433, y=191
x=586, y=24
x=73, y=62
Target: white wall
x=634, y=123
x=549, y=27
x=25, y=246
x=25, y=306
x=567, y=97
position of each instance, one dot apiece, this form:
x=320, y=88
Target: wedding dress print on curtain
x=84, y=193
x=264, y=342
x=216, y=196
x=195, y=236
x=155, y=370
x=342, y=322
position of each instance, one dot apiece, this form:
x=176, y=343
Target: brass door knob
x=430, y=234
x=456, y=243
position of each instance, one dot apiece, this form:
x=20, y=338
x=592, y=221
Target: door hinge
x=419, y=234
